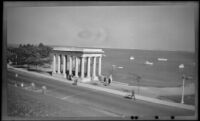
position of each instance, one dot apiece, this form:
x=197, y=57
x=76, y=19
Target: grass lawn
x=25, y=105
x=188, y=99
x=124, y=76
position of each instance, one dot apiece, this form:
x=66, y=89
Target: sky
x=149, y=27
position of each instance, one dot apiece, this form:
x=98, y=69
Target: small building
x=84, y=63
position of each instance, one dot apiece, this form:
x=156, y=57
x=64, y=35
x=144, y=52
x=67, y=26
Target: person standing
x=75, y=79
x=110, y=79
x=44, y=89
x=133, y=94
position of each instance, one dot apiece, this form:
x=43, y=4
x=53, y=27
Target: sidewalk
x=112, y=91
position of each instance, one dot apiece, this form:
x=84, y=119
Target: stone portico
x=84, y=63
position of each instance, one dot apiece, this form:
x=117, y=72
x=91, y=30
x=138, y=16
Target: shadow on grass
x=49, y=72
x=35, y=70
x=39, y=71
x=127, y=97
x=20, y=66
x=29, y=68
x=94, y=84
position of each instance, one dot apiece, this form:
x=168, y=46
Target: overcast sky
x=161, y=27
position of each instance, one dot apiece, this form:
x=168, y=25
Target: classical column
x=64, y=65
x=70, y=65
x=99, y=67
x=82, y=67
x=76, y=67
x=58, y=64
x=88, y=67
x=54, y=63
x=94, y=68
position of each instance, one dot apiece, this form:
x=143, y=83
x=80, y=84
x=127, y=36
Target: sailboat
x=148, y=63
x=162, y=59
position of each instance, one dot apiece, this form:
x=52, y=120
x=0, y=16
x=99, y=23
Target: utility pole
x=183, y=89
x=181, y=67
x=138, y=80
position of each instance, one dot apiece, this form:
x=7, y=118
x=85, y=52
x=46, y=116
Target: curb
x=148, y=99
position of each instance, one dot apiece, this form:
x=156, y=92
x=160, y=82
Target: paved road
x=114, y=104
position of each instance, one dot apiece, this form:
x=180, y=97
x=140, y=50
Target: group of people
x=73, y=78
x=105, y=80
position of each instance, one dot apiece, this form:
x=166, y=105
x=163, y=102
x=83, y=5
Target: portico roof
x=78, y=49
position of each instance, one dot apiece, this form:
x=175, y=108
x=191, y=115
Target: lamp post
x=181, y=67
x=113, y=66
x=138, y=80
x=138, y=77
x=130, y=59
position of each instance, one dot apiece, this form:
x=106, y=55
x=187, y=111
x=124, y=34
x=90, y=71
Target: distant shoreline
x=156, y=50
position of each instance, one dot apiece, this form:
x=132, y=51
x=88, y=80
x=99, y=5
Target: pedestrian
x=110, y=79
x=105, y=81
x=22, y=84
x=32, y=85
x=70, y=77
x=75, y=81
x=133, y=94
x=44, y=89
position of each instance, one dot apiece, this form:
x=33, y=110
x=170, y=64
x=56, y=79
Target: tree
x=11, y=55
x=30, y=54
x=34, y=58
x=41, y=45
x=44, y=50
x=22, y=54
x=20, y=45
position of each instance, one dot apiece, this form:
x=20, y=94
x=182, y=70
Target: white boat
x=148, y=63
x=162, y=59
x=132, y=58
